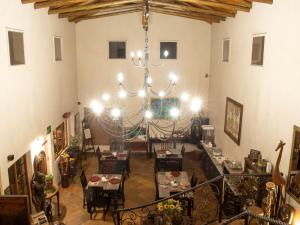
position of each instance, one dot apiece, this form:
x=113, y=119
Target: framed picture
x=233, y=120
x=77, y=124
x=161, y=107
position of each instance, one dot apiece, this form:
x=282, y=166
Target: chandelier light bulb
x=174, y=113
x=141, y=93
x=148, y=114
x=166, y=53
x=149, y=80
x=105, y=97
x=161, y=94
x=139, y=54
x=184, y=96
x=97, y=107
x=115, y=113
x=122, y=94
x=196, y=104
x=120, y=77
x=173, y=78
x=132, y=54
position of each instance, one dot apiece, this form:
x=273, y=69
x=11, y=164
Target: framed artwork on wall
x=233, y=120
x=77, y=125
x=161, y=107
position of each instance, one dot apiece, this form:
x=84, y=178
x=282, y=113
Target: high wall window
x=16, y=47
x=117, y=49
x=57, y=49
x=168, y=50
x=226, y=49
x=258, y=45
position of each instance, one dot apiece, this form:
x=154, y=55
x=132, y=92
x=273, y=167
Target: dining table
x=119, y=160
x=110, y=184
x=168, y=159
x=172, y=182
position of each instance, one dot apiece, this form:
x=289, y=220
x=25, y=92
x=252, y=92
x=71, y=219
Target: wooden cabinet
x=18, y=180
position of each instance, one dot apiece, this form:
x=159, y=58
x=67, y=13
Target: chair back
x=182, y=150
x=173, y=165
x=83, y=180
x=194, y=180
x=111, y=166
x=98, y=153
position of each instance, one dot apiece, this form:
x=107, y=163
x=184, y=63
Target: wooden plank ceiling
x=211, y=11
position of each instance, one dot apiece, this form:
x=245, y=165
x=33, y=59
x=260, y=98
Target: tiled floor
x=139, y=188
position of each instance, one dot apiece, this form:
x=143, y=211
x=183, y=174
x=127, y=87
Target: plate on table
x=94, y=178
x=121, y=154
x=175, y=173
x=114, y=180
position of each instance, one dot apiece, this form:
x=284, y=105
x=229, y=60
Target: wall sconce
x=10, y=158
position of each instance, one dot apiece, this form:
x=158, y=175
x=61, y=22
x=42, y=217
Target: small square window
x=16, y=48
x=57, y=47
x=258, y=50
x=168, y=50
x=117, y=49
x=226, y=50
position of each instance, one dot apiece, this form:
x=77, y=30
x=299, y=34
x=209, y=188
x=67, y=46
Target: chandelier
x=117, y=122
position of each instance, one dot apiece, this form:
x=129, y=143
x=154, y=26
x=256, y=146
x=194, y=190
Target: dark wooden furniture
x=18, y=180
x=108, y=183
x=84, y=184
x=168, y=160
x=114, y=162
x=238, y=189
x=14, y=209
x=136, y=144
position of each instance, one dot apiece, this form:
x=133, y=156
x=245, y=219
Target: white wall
x=97, y=73
x=36, y=94
x=270, y=93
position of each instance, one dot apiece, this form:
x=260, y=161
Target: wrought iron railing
x=209, y=198
x=248, y=216
x=147, y=214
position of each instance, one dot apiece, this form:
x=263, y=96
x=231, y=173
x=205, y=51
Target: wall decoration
x=77, y=125
x=258, y=45
x=233, y=120
x=161, y=107
x=294, y=170
x=59, y=139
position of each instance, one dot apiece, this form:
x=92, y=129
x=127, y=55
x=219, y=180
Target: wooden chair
x=84, y=184
x=121, y=192
x=87, y=138
x=98, y=155
x=156, y=187
x=96, y=198
x=193, y=182
x=110, y=166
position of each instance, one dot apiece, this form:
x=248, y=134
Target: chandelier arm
x=131, y=93
x=112, y=133
x=166, y=90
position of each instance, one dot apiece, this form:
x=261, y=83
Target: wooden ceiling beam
x=31, y=1
x=195, y=15
x=57, y=3
x=104, y=15
x=216, y=5
x=161, y=11
x=262, y=1
x=91, y=6
x=101, y=10
x=192, y=9
x=242, y=3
